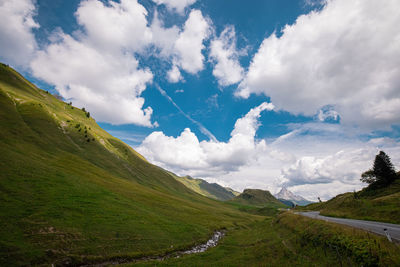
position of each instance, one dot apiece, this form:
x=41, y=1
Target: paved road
x=374, y=227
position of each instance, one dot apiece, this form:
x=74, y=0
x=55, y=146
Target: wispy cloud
x=202, y=129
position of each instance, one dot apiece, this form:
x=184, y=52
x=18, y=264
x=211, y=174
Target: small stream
x=212, y=242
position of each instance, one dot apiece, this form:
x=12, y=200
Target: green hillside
x=70, y=192
x=204, y=188
x=257, y=197
x=377, y=205
x=257, y=201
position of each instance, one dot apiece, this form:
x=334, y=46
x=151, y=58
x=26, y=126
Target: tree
x=382, y=173
x=368, y=177
x=384, y=169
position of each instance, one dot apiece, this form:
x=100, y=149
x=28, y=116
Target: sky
x=249, y=94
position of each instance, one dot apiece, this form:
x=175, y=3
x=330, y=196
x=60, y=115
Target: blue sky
x=260, y=94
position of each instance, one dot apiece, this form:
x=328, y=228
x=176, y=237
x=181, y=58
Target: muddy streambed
x=212, y=242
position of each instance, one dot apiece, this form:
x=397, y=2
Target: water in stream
x=212, y=242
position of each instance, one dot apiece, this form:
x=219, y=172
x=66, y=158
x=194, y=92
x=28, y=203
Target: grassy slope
x=257, y=197
x=66, y=199
x=257, y=201
x=204, y=188
x=380, y=205
x=292, y=240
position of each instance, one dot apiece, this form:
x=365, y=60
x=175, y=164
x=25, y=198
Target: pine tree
x=382, y=173
x=384, y=169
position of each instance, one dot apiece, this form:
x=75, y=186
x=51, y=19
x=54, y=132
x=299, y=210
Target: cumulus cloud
x=342, y=166
x=97, y=69
x=313, y=160
x=187, y=155
x=225, y=56
x=174, y=75
x=189, y=45
x=176, y=5
x=163, y=38
x=114, y=26
x=17, y=40
x=346, y=55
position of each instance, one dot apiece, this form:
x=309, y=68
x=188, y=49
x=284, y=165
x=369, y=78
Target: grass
x=363, y=248
x=292, y=240
x=204, y=188
x=381, y=205
x=67, y=199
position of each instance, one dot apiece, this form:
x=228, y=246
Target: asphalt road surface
x=375, y=227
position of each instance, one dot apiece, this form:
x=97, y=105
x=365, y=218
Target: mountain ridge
x=285, y=194
x=201, y=186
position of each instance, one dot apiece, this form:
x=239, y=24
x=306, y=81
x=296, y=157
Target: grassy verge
x=292, y=240
x=380, y=205
x=363, y=248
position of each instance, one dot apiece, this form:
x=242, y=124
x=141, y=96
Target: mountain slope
x=204, y=188
x=72, y=193
x=377, y=205
x=285, y=194
x=257, y=197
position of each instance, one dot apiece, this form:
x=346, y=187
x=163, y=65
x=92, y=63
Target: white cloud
x=342, y=166
x=174, y=75
x=189, y=45
x=327, y=113
x=108, y=85
x=17, y=40
x=97, y=69
x=176, y=5
x=347, y=55
x=164, y=38
x=315, y=159
x=185, y=154
x=224, y=54
x=114, y=26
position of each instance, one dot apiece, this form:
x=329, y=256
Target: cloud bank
x=347, y=55
x=186, y=154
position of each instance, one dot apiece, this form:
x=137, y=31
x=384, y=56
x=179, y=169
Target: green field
x=72, y=194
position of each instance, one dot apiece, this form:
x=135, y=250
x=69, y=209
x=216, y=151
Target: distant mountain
x=285, y=194
x=212, y=190
x=289, y=203
x=257, y=197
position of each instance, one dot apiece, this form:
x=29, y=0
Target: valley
x=73, y=195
